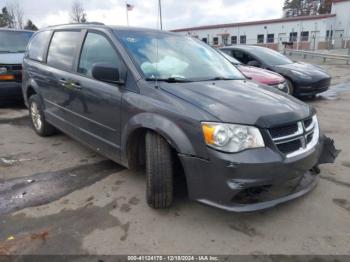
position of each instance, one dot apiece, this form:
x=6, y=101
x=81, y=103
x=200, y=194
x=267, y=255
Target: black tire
x=290, y=87
x=159, y=171
x=44, y=129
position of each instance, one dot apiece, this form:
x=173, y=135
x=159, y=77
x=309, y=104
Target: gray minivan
x=148, y=98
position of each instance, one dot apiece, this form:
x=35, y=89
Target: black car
x=12, y=47
x=303, y=79
x=157, y=99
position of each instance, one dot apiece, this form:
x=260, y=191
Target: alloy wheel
x=36, y=117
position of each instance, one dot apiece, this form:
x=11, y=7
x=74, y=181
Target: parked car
x=303, y=79
x=259, y=75
x=157, y=99
x=12, y=47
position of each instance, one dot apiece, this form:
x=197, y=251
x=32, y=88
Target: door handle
x=76, y=85
x=63, y=81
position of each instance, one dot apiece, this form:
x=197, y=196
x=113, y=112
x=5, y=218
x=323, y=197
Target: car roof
x=244, y=47
x=15, y=30
x=97, y=25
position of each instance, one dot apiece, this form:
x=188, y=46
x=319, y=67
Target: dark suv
x=13, y=44
x=152, y=98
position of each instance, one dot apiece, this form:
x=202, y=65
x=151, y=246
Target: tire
x=37, y=117
x=290, y=87
x=159, y=172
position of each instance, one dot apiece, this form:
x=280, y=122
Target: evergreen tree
x=30, y=26
x=301, y=7
x=325, y=7
x=6, y=20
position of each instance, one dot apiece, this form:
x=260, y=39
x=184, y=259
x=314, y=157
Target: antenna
x=157, y=49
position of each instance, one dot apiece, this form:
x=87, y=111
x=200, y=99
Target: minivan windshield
x=14, y=41
x=166, y=56
x=271, y=57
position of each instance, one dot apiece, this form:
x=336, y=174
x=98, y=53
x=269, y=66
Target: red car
x=262, y=76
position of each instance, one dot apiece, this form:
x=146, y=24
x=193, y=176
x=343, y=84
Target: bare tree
x=16, y=13
x=77, y=13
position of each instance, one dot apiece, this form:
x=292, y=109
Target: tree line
x=12, y=15
x=306, y=7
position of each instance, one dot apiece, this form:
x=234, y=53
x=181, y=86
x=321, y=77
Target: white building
x=303, y=32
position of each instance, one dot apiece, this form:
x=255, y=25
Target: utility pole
x=127, y=13
x=160, y=14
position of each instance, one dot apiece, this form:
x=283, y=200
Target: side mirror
x=106, y=73
x=254, y=63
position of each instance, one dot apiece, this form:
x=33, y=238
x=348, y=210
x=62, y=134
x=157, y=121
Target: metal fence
x=311, y=42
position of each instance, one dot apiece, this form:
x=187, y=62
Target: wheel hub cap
x=36, y=117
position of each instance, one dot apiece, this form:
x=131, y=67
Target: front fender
x=163, y=126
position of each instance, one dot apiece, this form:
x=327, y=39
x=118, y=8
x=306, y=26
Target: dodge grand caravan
x=153, y=98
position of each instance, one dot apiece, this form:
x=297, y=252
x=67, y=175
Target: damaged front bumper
x=254, y=179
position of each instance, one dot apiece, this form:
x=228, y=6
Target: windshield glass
x=271, y=57
x=165, y=56
x=229, y=58
x=14, y=41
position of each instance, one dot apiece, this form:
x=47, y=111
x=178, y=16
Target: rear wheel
x=290, y=87
x=37, y=117
x=159, y=171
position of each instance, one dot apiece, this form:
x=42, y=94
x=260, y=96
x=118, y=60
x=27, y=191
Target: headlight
x=3, y=70
x=231, y=137
x=301, y=74
x=281, y=86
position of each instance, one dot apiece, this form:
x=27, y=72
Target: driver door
x=97, y=105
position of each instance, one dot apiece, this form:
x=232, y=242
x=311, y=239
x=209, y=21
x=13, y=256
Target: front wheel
x=290, y=87
x=159, y=171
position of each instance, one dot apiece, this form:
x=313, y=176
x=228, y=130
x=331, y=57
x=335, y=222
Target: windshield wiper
x=221, y=78
x=11, y=52
x=169, y=79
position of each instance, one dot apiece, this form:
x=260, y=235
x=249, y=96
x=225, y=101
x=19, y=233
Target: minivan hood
x=11, y=58
x=241, y=102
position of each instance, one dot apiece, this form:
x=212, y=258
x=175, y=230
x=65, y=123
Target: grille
x=294, y=139
x=283, y=131
x=309, y=138
x=15, y=70
x=289, y=147
x=323, y=83
x=308, y=122
x=11, y=68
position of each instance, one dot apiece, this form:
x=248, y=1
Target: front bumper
x=313, y=88
x=250, y=180
x=10, y=90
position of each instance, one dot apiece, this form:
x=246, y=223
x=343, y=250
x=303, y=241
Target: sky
x=176, y=13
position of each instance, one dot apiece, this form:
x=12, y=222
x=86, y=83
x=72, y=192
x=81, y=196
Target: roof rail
x=87, y=23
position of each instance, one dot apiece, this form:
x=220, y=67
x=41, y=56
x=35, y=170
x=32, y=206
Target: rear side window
x=62, y=49
x=241, y=56
x=97, y=49
x=37, y=46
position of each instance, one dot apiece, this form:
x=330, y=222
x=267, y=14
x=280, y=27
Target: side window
x=37, y=46
x=242, y=56
x=238, y=55
x=97, y=49
x=62, y=49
